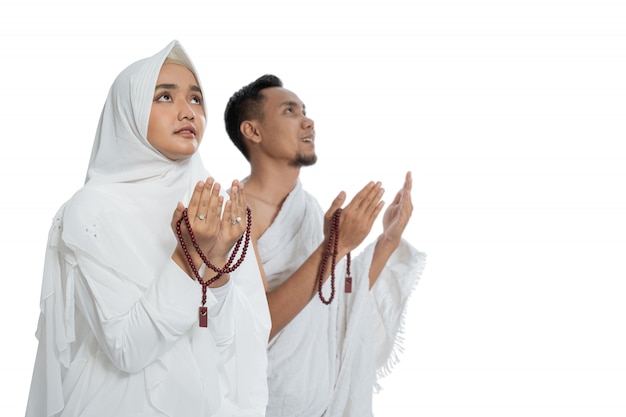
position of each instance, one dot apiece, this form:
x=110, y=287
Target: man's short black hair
x=246, y=104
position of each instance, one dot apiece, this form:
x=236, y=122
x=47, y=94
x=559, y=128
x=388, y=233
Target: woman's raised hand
x=233, y=222
x=216, y=226
x=204, y=214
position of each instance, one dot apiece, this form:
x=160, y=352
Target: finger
x=205, y=198
x=241, y=197
x=337, y=203
x=215, y=202
x=233, y=209
x=235, y=197
x=361, y=195
x=374, y=214
x=372, y=198
x=231, y=221
x=195, y=199
x=406, y=191
x=406, y=201
x=408, y=181
x=375, y=201
x=178, y=213
x=227, y=217
x=398, y=198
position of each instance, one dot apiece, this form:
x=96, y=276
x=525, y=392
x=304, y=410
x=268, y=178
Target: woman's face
x=177, y=119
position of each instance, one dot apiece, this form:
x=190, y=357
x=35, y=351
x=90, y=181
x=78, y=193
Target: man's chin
x=304, y=161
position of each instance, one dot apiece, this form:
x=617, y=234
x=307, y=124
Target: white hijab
x=122, y=156
x=130, y=194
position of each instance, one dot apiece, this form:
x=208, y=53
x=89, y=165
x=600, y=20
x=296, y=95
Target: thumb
x=337, y=203
x=178, y=213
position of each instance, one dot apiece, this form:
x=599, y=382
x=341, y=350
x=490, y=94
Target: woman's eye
x=196, y=100
x=164, y=97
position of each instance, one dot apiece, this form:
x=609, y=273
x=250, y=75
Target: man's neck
x=265, y=190
x=271, y=184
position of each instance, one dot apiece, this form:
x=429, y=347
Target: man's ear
x=250, y=131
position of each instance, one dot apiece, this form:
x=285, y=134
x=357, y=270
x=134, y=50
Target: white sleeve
x=220, y=294
x=134, y=326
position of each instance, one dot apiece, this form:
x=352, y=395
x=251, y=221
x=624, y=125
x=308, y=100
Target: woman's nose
x=186, y=112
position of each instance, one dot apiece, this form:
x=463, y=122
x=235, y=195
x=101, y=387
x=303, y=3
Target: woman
x=120, y=331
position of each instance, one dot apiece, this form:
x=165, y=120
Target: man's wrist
x=387, y=242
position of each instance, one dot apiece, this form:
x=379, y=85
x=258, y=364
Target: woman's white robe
x=118, y=331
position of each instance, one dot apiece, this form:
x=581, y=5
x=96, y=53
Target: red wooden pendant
x=348, y=284
x=203, y=316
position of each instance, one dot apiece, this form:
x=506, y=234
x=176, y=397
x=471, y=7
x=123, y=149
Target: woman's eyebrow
x=176, y=86
x=166, y=86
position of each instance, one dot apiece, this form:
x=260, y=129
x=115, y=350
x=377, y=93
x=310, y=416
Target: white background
x=511, y=115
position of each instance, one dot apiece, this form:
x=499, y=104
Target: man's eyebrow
x=291, y=103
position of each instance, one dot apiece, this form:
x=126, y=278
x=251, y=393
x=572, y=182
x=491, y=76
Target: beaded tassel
x=333, y=242
x=228, y=268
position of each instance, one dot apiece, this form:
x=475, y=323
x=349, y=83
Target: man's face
x=287, y=133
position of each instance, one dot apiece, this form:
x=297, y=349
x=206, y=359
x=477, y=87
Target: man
x=323, y=359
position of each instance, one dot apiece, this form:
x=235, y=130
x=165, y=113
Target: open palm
x=399, y=212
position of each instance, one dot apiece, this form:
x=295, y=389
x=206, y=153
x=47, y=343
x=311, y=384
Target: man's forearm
x=288, y=299
x=382, y=252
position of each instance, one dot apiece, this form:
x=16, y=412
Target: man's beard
x=301, y=160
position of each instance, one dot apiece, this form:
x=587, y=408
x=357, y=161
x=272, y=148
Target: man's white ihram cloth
x=118, y=331
x=328, y=359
